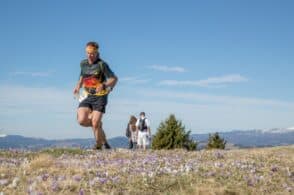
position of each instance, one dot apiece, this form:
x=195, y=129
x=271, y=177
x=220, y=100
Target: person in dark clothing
x=131, y=132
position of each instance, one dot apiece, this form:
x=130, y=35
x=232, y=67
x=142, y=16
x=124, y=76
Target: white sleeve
x=137, y=123
x=147, y=122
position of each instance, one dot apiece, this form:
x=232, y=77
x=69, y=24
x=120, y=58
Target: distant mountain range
x=236, y=138
x=20, y=142
x=251, y=138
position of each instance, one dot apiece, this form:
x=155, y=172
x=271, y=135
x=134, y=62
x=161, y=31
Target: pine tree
x=216, y=142
x=171, y=134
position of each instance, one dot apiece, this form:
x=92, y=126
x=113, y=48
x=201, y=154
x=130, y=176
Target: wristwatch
x=108, y=88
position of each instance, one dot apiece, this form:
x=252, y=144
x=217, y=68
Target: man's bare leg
x=103, y=134
x=86, y=119
x=90, y=116
x=106, y=144
x=97, y=130
x=83, y=114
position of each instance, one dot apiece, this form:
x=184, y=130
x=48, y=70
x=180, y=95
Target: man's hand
x=100, y=88
x=76, y=90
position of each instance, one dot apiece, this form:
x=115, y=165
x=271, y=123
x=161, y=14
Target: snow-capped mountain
x=279, y=130
x=3, y=135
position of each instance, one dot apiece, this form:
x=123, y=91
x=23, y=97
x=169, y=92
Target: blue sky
x=216, y=65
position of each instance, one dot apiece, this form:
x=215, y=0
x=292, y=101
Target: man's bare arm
x=78, y=86
x=111, y=82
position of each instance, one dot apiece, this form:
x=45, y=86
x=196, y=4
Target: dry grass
x=41, y=161
x=216, y=172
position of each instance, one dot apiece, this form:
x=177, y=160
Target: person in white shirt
x=144, y=132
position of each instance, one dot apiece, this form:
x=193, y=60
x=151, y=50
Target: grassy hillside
x=74, y=171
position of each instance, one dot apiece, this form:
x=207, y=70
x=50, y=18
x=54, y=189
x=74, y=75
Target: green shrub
x=216, y=142
x=171, y=134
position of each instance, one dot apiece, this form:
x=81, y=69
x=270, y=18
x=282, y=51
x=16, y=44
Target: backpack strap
x=143, y=124
x=128, y=133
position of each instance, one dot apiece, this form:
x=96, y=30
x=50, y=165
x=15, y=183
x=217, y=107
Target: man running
x=98, y=80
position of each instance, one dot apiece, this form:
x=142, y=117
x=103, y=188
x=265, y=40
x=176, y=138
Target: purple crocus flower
x=45, y=177
x=82, y=192
x=3, y=182
x=219, y=155
x=77, y=178
x=102, y=180
x=54, y=186
x=274, y=169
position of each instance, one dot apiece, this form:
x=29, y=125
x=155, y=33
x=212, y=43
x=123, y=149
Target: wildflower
x=15, y=182
x=32, y=187
x=151, y=174
x=250, y=182
x=54, y=186
x=92, y=182
x=274, y=168
x=218, y=164
x=3, y=182
x=77, y=178
x=45, y=177
x=210, y=174
x=61, y=178
x=39, y=178
x=101, y=174
x=257, y=178
x=115, y=179
x=81, y=192
x=219, y=155
x=174, y=171
x=252, y=171
x=102, y=180
x=287, y=187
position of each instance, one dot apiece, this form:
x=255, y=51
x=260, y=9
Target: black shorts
x=97, y=103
